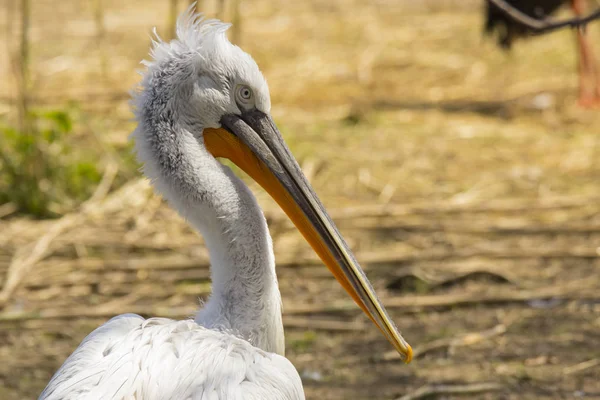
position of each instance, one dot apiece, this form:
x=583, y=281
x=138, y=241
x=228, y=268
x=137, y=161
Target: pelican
x=202, y=98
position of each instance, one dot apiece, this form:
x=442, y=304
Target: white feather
x=158, y=358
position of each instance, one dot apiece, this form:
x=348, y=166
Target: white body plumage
x=158, y=359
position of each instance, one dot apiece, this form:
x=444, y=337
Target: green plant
x=304, y=343
x=39, y=170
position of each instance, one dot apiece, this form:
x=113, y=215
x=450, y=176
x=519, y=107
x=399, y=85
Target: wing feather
x=132, y=358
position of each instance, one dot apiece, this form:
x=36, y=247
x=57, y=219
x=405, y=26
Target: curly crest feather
x=194, y=33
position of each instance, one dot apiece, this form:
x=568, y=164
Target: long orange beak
x=253, y=143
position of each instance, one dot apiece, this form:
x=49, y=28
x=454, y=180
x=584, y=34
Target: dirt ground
x=465, y=179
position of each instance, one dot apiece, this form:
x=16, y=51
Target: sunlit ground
x=465, y=179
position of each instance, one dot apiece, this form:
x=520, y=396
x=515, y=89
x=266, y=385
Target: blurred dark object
x=513, y=19
x=507, y=28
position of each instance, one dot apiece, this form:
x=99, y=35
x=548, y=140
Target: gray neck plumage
x=245, y=296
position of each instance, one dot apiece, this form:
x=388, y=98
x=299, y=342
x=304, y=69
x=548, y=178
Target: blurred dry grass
x=464, y=178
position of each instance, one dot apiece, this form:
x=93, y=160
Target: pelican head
x=220, y=101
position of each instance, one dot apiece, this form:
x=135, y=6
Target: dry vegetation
x=465, y=179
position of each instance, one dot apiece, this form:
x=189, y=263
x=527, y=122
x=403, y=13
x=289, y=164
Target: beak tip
x=408, y=354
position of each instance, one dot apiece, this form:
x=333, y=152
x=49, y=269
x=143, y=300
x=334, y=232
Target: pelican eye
x=244, y=95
